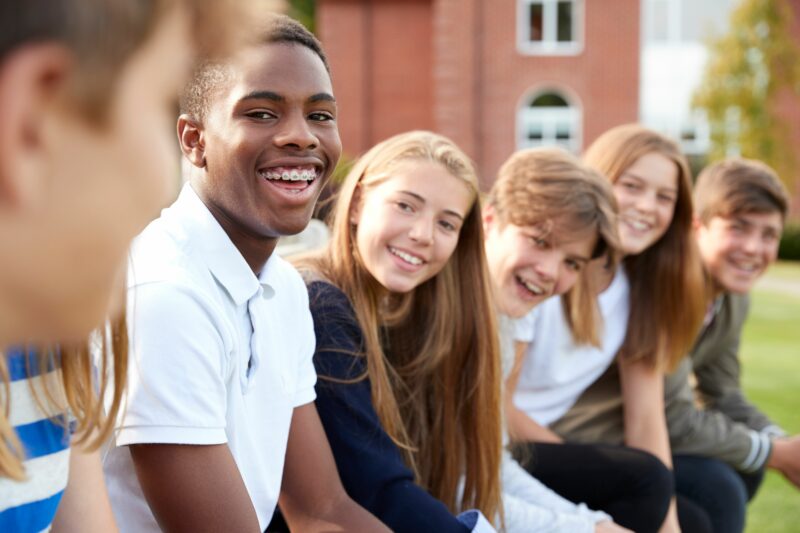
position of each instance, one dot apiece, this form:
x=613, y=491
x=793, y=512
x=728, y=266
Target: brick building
x=493, y=75
x=497, y=75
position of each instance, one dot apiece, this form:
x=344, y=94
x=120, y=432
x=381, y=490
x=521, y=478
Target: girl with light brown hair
x=407, y=358
x=651, y=309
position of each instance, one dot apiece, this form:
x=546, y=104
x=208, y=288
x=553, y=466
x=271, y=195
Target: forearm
x=339, y=513
x=522, y=428
x=84, y=506
x=645, y=420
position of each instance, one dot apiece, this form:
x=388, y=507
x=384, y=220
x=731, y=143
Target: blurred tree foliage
x=303, y=11
x=747, y=67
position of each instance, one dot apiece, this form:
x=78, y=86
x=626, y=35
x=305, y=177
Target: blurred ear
x=32, y=79
x=489, y=219
x=696, y=223
x=191, y=137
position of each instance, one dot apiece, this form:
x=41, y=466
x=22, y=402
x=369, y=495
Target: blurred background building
x=498, y=75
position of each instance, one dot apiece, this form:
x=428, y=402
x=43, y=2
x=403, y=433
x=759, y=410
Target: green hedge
x=790, y=243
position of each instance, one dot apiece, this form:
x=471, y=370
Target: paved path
x=782, y=285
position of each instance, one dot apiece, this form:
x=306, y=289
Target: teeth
x=639, y=226
x=535, y=289
x=291, y=175
x=408, y=258
x=749, y=267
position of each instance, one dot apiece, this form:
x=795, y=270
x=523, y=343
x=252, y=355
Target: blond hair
x=545, y=187
x=432, y=354
x=667, y=289
x=79, y=387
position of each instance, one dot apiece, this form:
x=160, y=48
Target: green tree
x=748, y=67
x=303, y=11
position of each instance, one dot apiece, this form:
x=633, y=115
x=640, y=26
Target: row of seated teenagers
x=370, y=392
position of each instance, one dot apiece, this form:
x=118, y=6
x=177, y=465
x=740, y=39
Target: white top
x=556, y=370
x=528, y=505
x=199, y=372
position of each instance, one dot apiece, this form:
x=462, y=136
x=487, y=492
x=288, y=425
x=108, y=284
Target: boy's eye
x=403, y=206
x=770, y=236
x=261, y=115
x=321, y=116
x=539, y=242
x=573, y=265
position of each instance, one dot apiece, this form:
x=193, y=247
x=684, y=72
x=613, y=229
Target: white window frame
x=549, y=45
x=549, y=117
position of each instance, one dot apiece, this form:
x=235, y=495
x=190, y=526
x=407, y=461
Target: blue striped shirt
x=30, y=505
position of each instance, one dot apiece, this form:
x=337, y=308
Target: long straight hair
x=432, y=354
x=84, y=373
x=668, y=295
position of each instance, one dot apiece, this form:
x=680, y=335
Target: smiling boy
x=220, y=421
x=740, y=209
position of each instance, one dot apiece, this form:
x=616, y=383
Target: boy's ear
x=32, y=79
x=489, y=218
x=191, y=136
x=697, y=223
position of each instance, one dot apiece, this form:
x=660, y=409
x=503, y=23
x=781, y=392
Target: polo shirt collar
x=215, y=248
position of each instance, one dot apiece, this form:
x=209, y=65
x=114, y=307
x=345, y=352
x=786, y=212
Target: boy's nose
x=297, y=133
x=547, y=268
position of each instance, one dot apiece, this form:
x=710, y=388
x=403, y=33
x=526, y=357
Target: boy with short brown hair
x=740, y=209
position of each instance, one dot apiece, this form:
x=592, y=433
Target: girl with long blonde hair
x=407, y=358
x=651, y=308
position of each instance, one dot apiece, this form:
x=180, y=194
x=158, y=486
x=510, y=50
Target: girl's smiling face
x=646, y=193
x=408, y=224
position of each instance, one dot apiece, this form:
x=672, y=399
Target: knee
x=727, y=484
x=653, y=477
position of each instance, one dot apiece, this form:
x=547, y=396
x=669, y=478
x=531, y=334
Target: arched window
x=548, y=118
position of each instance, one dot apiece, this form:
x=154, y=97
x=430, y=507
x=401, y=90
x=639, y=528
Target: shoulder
x=340, y=344
x=738, y=306
x=324, y=297
x=160, y=253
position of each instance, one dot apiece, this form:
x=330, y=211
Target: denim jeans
x=717, y=488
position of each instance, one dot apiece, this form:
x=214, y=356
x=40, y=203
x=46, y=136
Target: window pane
x=535, y=132
x=660, y=20
x=536, y=22
x=565, y=22
x=563, y=131
x=549, y=100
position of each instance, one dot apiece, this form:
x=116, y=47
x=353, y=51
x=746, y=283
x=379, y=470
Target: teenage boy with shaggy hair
x=85, y=163
x=220, y=423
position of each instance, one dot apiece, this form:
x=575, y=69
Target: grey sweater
x=712, y=419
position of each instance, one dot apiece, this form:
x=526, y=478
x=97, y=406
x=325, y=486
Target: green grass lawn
x=771, y=377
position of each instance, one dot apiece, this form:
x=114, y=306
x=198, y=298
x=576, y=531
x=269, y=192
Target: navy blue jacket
x=371, y=466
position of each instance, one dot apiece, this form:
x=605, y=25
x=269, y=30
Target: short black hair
x=210, y=75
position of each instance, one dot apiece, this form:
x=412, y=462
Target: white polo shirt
x=556, y=370
x=218, y=355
